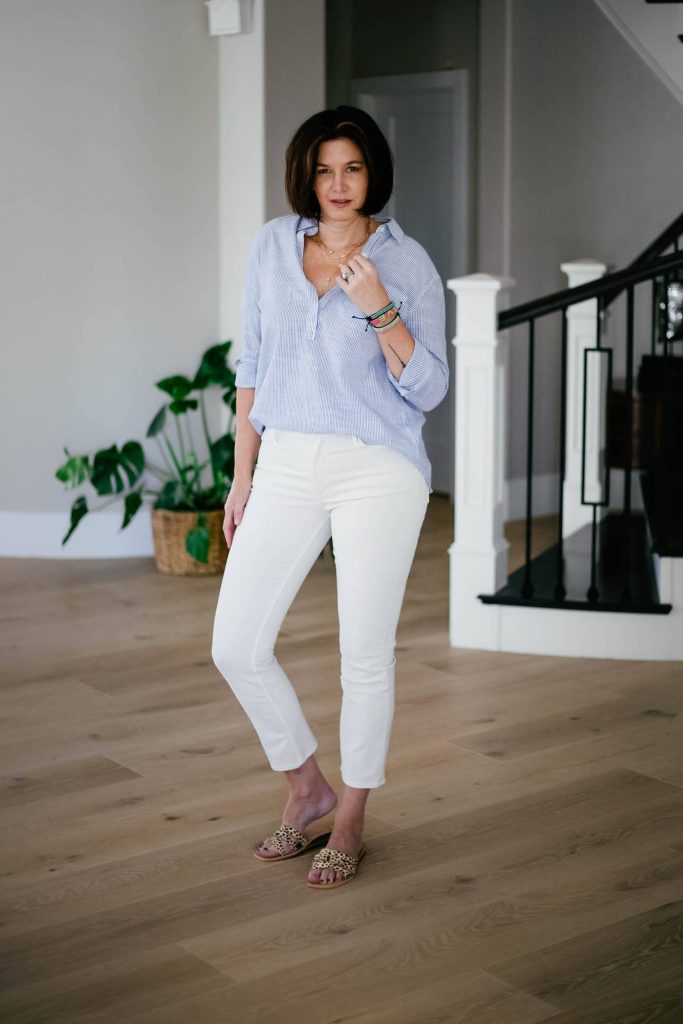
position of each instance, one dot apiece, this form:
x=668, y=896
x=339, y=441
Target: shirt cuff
x=245, y=373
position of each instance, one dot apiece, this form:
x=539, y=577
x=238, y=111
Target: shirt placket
x=315, y=304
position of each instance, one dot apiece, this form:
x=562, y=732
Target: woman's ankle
x=307, y=781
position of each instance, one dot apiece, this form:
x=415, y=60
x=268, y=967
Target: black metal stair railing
x=628, y=575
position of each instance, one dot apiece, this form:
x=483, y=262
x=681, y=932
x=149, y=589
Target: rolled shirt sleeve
x=424, y=378
x=246, y=364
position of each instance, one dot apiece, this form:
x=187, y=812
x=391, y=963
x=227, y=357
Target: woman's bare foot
x=347, y=832
x=347, y=839
x=300, y=812
x=310, y=797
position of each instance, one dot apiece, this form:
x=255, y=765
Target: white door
x=424, y=117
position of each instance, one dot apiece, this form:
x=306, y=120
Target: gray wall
x=595, y=157
x=109, y=192
x=294, y=84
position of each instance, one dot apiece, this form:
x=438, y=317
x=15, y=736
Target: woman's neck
x=339, y=234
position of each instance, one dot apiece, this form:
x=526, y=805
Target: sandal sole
x=340, y=881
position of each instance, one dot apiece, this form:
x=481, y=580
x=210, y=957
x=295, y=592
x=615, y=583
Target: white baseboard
x=39, y=534
x=98, y=535
x=562, y=632
x=572, y=633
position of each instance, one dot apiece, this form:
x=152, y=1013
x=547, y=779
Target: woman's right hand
x=235, y=505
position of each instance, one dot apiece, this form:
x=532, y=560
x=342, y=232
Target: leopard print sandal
x=342, y=862
x=297, y=840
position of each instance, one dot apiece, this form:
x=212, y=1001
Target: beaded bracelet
x=385, y=318
x=391, y=323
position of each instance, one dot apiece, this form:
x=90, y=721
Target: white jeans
x=372, y=501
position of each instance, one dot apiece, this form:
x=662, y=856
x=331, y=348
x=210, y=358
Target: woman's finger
x=363, y=262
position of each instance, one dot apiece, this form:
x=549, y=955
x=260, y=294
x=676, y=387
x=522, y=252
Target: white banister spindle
x=582, y=334
x=478, y=555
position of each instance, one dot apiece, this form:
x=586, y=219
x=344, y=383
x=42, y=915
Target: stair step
x=609, y=576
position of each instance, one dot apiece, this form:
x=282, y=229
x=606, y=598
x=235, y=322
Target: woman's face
x=341, y=180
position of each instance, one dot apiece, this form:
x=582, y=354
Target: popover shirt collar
x=386, y=223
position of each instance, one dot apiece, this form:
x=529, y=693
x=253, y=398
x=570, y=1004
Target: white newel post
x=478, y=555
x=582, y=334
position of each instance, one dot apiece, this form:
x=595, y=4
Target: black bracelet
x=369, y=318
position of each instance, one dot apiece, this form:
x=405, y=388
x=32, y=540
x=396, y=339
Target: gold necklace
x=336, y=254
x=339, y=256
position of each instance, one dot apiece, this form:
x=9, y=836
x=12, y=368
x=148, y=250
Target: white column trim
x=478, y=554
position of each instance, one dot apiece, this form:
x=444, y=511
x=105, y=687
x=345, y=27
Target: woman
x=344, y=351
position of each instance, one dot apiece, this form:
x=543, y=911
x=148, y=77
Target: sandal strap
x=292, y=835
x=331, y=858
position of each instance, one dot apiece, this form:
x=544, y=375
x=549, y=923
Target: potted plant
x=187, y=513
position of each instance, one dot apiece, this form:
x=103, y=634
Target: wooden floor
x=525, y=857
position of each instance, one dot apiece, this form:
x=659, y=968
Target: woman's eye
x=324, y=170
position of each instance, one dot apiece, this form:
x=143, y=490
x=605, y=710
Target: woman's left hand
x=363, y=286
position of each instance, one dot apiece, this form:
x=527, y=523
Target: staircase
x=612, y=584
x=615, y=585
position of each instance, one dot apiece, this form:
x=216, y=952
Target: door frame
x=363, y=92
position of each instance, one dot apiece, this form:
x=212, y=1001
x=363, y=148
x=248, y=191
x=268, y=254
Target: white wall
x=140, y=155
x=108, y=255
x=241, y=168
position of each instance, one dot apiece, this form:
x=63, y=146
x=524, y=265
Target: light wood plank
x=527, y=841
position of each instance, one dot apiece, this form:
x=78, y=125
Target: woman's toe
x=270, y=850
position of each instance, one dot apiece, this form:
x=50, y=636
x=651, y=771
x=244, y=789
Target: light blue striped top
x=317, y=369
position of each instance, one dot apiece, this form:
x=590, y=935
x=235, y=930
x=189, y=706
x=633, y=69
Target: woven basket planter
x=169, y=529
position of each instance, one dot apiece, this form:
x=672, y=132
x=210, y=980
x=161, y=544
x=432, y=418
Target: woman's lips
x=341, y=202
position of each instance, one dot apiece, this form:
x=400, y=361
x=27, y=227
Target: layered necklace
x=340, y=256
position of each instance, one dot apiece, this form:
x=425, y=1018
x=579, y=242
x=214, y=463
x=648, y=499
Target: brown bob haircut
x=343, y=122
